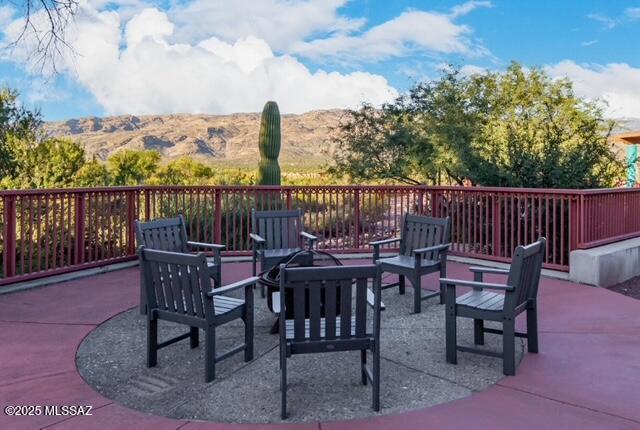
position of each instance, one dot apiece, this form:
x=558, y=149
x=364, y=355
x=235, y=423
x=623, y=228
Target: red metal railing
x=48, y=232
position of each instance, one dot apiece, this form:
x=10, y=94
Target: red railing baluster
x=9, y=237
x=79, y=229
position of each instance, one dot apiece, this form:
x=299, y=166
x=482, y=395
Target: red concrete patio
x=586, y=376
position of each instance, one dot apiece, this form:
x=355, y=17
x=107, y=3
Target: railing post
x=496, y=223
x=289, y=203
x=575, y=221
x=131, y=217
x=9, y=236
x=435, y=206
x=79, y=228
x=217, y=225
x=420, y=201
x=356, y=203
x=147, y=205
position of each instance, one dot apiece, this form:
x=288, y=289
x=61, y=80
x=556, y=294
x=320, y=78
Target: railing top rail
x=501, y=190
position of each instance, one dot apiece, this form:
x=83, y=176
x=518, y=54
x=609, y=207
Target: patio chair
x=274, y=236
x=170, y=234
x=178, y=289
x=424, y=243
x=330, y=327
x=519, y=295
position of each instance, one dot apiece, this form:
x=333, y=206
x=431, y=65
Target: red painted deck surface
x=586, y=376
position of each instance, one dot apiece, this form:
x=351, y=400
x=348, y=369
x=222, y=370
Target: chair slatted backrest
x=176, y=282
x=280, y=229
x=525, y=271
x=167, y=234
x=423, y=231
x=325, y=297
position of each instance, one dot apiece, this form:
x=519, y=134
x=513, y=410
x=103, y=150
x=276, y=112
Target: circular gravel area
x=322, y=387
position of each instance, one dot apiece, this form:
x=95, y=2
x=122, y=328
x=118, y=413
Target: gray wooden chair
x=519, y=295
x=424, y=243
x=276, y=235
x=178, y=289
x=320, y=324
x=170, y=234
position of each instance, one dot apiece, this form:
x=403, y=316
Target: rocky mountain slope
x=225, y=138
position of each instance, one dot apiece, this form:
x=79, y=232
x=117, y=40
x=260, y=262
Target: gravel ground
x=414, y=373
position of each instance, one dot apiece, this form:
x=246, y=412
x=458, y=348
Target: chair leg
x=210, y=354
x=283, y=385
x=450, y=330
x=478, y=332
x=443, y=274
x=509, y=347
x=363, y=363
x=417, y=294
x=248, y=336
x=376, y=378
x=194, y=337
x=152, y=342
x=401, y=283
x=532, y=330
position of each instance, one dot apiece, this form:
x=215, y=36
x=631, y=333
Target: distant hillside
x=230, y=139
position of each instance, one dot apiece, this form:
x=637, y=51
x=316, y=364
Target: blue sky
x=206, y=56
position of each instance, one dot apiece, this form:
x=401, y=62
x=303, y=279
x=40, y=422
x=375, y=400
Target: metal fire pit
x=305, y=258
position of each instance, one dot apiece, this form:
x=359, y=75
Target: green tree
x=130, y=167
x=183, y=171
x=518, y=128
x=17, y=125
x=50, y=163
x=93, y=173
x=381, y=144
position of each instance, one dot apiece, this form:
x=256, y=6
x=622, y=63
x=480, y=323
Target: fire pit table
x=305, y=258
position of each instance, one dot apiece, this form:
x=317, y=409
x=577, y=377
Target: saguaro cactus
x=269, y=143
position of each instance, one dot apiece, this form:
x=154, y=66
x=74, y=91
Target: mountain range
x=227, y=139
x=231, y=139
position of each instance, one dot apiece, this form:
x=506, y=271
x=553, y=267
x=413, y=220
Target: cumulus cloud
x=222, y=57
x=134, y=67
x=280, y=23
x=412, y=31
x=616, y=83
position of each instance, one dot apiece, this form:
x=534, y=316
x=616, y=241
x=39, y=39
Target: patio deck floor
x=587, y=374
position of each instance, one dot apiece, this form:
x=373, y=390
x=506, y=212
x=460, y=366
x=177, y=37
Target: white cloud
x=633, y=12
x=413, y=31
x=616, y=83
x=221, y=57
x=139, y=70
x=606, y=22
x=6, y=15
x=280, y=23
x=468, y=7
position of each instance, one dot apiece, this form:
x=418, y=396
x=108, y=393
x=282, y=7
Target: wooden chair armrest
x=474, y=284
x=308, y=236
x=439, y=248
x=249, y=282
x=385, y=241
x=256, y=238
x=479, y=269
x=214, y=246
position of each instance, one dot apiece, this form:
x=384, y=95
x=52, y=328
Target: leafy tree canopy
x=518, y=128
